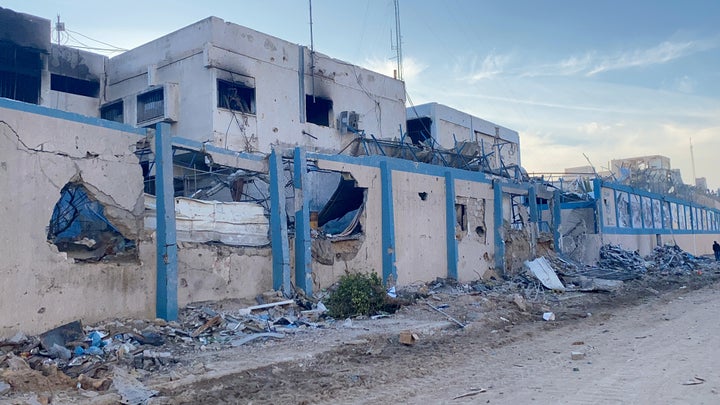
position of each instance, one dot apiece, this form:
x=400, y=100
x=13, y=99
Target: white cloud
x=659, y=54
x=595, y=62
x=685, y=84
x=492, y=65
x=470, y=68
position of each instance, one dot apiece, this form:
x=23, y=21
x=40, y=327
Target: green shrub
x=357, y=294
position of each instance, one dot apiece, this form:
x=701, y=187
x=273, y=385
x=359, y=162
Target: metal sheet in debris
x=610, y=274
x=231, y=223
x=541, y=269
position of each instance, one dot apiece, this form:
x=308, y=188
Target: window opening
x=20, y=73
x=318, y=110
x=419, y=129
x=461, y=217
x=341, y=215
x=236, y=97
x=78, y=226
x=113, y=112
x=150, y=105
x=72, y=85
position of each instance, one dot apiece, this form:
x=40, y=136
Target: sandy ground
x=661, y=352
x=655, y=342
x=653, y=349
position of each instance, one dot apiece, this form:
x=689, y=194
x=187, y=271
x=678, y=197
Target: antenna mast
x=312, y=53
x=692, y=161
x=398, y=41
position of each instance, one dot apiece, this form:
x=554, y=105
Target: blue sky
x=609, y=79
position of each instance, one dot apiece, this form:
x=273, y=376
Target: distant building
x=433, y=124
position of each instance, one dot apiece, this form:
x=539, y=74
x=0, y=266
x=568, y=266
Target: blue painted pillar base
x=166, y=298
x=303, y=257
x=556, y=220
x=533, y=219
x=278, y=226
x=499, y=228
x=388, y=226
x=450, y=221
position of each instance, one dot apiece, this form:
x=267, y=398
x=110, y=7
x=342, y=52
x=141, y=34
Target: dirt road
x=663, y=351
x=666, y=351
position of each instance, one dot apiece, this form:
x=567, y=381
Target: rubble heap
x=672, y=258
x=616, y=258
x=89, y=355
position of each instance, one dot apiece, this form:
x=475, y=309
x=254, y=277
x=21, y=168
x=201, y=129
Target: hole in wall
x=480, y=230
x=423, y=195
x=78, y=227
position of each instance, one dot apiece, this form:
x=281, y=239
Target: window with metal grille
x=318, y=110
x=236, y=97
x=113, y=112
x=150, y=105
x=20, y=73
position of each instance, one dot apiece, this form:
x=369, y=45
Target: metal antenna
x=692, y=160
x=398, y=41
x=312, y=53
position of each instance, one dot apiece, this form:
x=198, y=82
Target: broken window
x=150, y=105
x=72, y=85
x=20, y=73
x=318, y=110
x=78, y=226
x=418, y=129
x=461, y=217
x=341, y=215
x=236, y=97
x=623, y=210
x=113, y=112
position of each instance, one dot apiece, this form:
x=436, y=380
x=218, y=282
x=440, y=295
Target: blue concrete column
x=498, y=222
x=278, y=226
x=532, y=204
x=450, y=221
x=556, y=220
x=599, y=207
x=303, y=257
x=388, y=224
x=533, y=218
x=166, y=298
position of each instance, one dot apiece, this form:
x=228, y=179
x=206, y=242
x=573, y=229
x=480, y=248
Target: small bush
x=357, y=294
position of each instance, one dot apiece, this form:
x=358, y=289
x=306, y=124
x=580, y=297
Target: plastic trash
x=96, y=339
x=549, y=316
x=94, y=351
x=60, y=351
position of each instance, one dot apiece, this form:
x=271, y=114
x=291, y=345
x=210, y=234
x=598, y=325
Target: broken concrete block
x=577, y=355
x=408, y=338
x=520, y=302
x=541, y=269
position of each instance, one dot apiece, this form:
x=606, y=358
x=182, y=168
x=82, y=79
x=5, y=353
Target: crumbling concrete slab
x=541, y=269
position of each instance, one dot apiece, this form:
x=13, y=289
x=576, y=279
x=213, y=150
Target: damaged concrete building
x=218, y=162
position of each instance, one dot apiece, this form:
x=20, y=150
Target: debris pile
x=672, y=258
x=616, y=258
x=85, y=356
